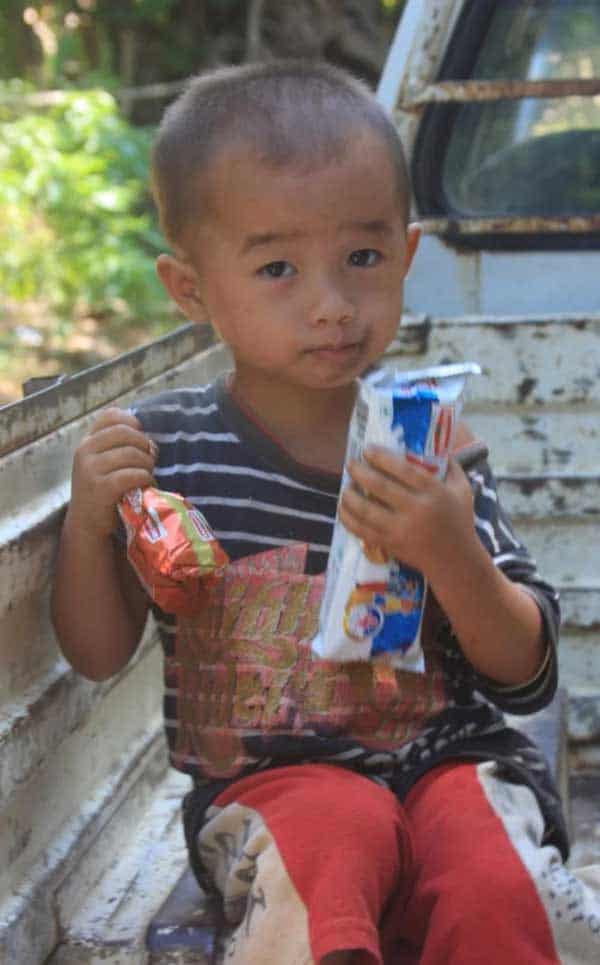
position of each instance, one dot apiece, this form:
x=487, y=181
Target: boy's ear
x=413, y=236
x=181, y=282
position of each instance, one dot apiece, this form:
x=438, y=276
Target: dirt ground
x=33, y=343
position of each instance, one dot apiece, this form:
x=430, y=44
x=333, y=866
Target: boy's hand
x=407, y=511
x=116, y=456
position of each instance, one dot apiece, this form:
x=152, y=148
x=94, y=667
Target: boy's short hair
x=289, y=112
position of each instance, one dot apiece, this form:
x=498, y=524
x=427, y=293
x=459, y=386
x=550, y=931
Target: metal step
x=110, y=922
x=59, y=704
x=50, y=766
x=550, y=496
x=562, y=547
x=538, y=441
x=531, y=360
x=79, y=850
x=580, y=607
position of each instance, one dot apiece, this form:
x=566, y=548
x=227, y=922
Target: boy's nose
x=331, y=305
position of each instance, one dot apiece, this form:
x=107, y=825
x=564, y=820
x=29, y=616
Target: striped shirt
x=253, y=494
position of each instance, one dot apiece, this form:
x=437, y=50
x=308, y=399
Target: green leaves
x=78, y=228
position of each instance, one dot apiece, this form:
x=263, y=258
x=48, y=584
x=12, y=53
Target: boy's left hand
x=407, y=511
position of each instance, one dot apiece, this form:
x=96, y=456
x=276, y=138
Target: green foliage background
x=78, y=230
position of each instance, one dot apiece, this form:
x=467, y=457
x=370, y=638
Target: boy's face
x=300, y=271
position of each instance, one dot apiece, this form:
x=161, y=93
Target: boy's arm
x=498, y=624
x=429, y=524
x=512, y=559
x=98, y=607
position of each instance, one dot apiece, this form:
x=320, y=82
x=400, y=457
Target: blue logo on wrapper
x=364, y=620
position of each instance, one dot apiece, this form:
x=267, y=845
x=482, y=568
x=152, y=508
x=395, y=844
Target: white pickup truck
x=498, y=104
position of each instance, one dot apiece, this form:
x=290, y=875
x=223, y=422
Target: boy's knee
x=362, y=816
x=331, y=825
x=478, y=892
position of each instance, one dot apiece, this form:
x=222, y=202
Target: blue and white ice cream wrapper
x=373, y=606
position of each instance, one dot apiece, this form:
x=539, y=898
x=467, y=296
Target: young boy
x=343, y=812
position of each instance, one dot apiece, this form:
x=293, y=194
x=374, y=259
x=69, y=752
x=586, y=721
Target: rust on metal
x=412, y=337
x=572, y=224
x=38, y=414
x=469, y=91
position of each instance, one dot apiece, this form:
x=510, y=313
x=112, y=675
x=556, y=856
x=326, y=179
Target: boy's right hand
x=116, y=456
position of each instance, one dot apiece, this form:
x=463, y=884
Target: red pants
x=313, y=859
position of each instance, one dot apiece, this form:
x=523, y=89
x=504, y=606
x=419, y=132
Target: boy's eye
x=277, y=269
x=364, y=258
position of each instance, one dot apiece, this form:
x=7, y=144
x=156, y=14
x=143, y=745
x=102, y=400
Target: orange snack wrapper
x=171, y=548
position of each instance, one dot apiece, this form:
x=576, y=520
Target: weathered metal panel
x=30, y=923
x=551, y=495
x=580, y=608
x=537, y=441
x=61, y=701
x=578, y=660
x=38, y=414
x=514, y=224
x=415, y=57
x=584, y=721
x=56, y=791
x=527, y=361
x=544, y=282
x=440, y=282
x=417, y=48
x=26, y=562
x=562, y=547
x=33, y=477
x=101, y=929
x=27, y=651
x=449, y=281
x=486, y=91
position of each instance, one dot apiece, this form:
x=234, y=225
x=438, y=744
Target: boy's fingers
x=458, y=482
x=115, y=416
x=120, y=435
x=124, y=457
x=456, y=476
x=390, y=477
x=366, y=511
x=398, y=467
x=125, y=479
x=454, y=471
x=377, y=485
x=364, y=530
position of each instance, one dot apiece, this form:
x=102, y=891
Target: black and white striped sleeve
x=512, y=557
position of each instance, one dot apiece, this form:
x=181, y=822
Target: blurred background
x=82, y=85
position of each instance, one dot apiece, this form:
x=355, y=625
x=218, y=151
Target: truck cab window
x=516, y=157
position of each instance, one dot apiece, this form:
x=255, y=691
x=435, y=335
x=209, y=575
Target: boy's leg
x=306, y=858
x=485, y=888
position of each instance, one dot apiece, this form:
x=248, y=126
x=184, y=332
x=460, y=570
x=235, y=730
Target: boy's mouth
x=337, y=349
